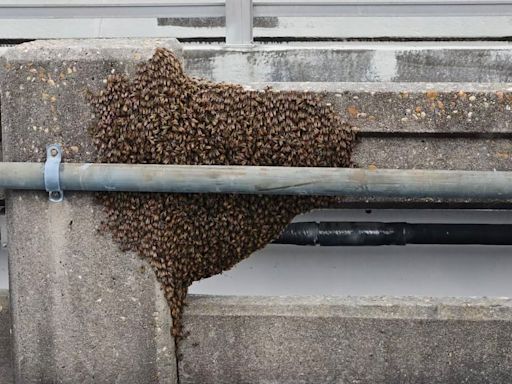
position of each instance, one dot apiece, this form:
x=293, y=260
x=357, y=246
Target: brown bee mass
x=162, y=116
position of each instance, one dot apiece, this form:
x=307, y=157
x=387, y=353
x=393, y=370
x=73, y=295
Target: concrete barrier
x=456, y=109
x=346, y=340
x=85, y=312
x=354, y=62
x=82, y=310
x=331, y=340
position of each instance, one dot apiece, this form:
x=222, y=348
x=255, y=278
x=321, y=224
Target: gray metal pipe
x=380, y=8
x=270, y=8
x=112, y=9
x=264, y=180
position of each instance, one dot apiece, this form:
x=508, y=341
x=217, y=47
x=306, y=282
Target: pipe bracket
x=52, y=173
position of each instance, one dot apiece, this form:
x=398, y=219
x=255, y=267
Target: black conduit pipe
x=372, y=233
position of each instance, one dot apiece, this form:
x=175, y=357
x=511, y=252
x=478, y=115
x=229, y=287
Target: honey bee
x=164, y=116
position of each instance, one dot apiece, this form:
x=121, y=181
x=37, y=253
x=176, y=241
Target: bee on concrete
x=163, y=116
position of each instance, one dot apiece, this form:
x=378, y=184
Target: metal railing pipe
x=381, y=8
x=112, y=9
x=262, y=8
x=22, y=176
x=264, y=180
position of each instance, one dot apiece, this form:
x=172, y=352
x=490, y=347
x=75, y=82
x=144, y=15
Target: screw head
x=54, y=152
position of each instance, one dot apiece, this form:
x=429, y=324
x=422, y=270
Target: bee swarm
x=163, y=116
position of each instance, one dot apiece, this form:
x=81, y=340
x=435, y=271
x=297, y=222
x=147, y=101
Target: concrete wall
x=367, y=340
x=347, y=340
x=378, y=108
x=405, y=125
x=265, y=339
x=82, y=310
x=353, y=62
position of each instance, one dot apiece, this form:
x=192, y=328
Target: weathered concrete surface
x=451, y=126
x=82, y=310
x=416, y=107
x=347, y=340
x=6, y=374
x=434, y=153
x=353, y=62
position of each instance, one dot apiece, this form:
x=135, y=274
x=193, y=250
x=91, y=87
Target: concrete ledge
x=352, y=340
x=434, y=153
x=382, y=307
x=353, y=62
x=447, y=108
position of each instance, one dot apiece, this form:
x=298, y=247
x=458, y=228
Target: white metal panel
x=137, y=18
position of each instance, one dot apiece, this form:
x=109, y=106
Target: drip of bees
x=163, y=116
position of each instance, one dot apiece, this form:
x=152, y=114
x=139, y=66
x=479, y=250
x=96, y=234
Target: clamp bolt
x=52, y=172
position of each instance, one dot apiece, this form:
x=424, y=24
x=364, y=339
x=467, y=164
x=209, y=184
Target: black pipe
x=368, y=233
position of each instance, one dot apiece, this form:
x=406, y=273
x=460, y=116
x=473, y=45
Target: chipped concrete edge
x=384, y=307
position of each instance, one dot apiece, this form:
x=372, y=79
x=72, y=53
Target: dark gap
x=7, y=42
x=378, y=39
x=201, y=39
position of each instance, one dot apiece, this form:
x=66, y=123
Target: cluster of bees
x=163, y=116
